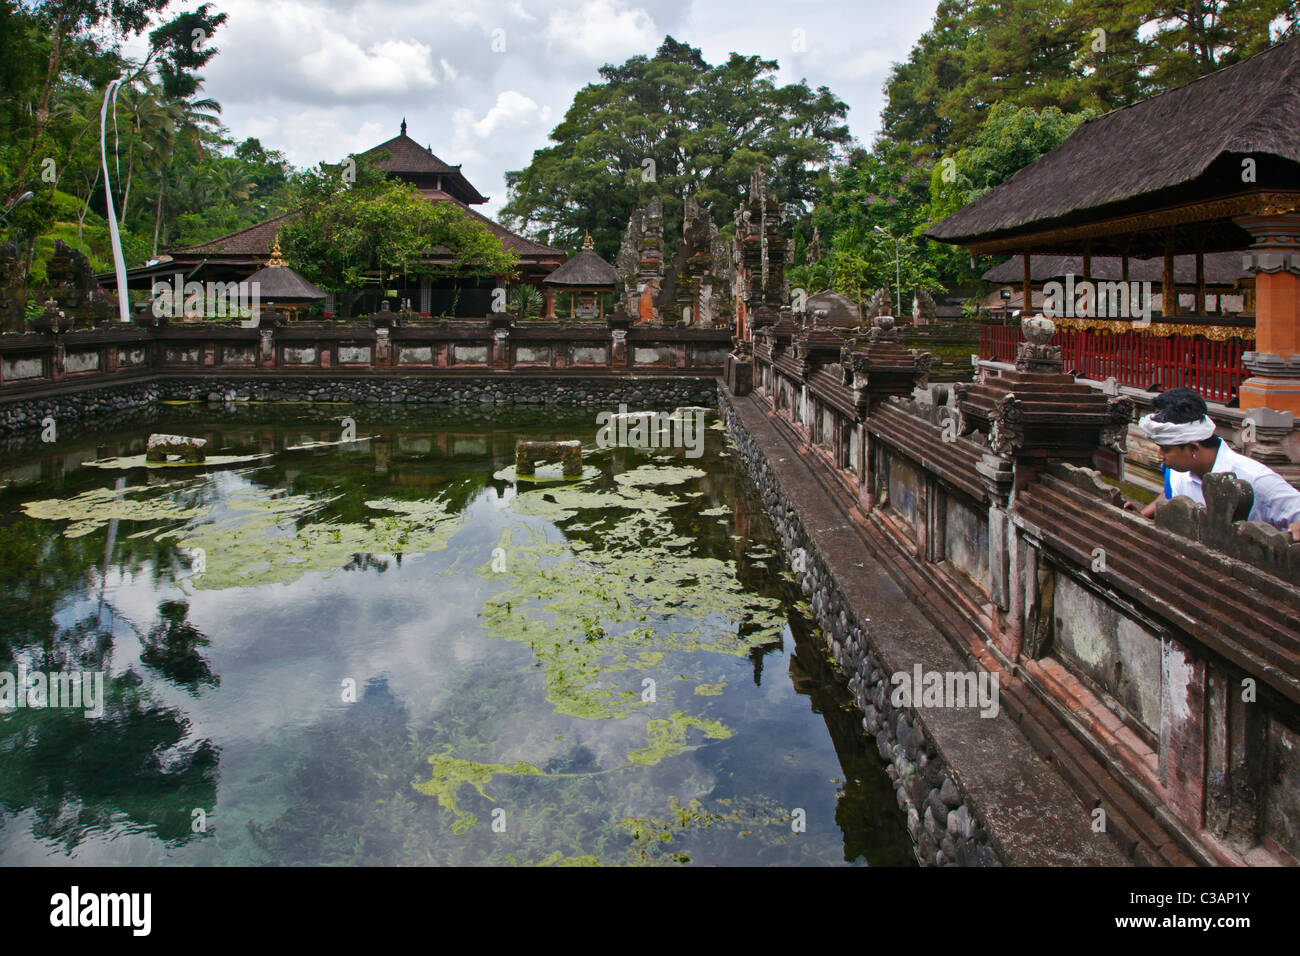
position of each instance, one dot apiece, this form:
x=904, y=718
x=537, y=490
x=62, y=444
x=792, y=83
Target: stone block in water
x=529, y=453
x=189, y=449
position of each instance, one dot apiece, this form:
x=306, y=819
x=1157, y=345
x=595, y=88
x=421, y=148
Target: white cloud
x=866, y=65
x=517, y=8
x=340, y=66
x=512, y=119
x=511, y=111
x=601, y=31
x=309, y=135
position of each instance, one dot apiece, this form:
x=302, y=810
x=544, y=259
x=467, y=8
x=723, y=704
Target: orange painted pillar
x=646, y=306
x=1274, y=258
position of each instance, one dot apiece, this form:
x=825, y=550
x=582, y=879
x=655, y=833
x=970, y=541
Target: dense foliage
x=348, y=235
x=672, y=124
x=178, y=177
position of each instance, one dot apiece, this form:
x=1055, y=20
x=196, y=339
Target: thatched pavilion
x=588, y=277
x=280, y=286
x=1212, y=166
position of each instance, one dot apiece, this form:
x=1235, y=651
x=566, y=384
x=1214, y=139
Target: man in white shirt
x=1190, y=450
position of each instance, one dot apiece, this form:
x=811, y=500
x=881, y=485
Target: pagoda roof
x=417, y=164
x=279, y=283
x=1114, y=173
x=408, y=161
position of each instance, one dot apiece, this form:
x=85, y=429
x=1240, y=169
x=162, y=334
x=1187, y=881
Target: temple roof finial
x=587, y=243
x=403, y=125
x=276, y=258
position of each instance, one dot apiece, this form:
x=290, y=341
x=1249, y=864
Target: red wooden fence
x=1214, y=369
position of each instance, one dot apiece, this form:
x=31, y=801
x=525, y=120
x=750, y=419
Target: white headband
x=1175, y=433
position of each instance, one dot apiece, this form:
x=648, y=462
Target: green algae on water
x=667, y=737
x=95, y=508
x=269, y=540
x=449, y=773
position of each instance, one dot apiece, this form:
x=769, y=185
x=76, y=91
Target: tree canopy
x=986, y=90
x=672, y=124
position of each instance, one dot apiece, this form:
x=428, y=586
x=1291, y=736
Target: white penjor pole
x=119, y=266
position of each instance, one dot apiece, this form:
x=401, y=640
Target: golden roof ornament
x=276, y=258
x=587, y=244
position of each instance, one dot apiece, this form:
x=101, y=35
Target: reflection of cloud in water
x=330, y=781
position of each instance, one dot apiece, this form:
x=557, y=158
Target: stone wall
x=1167, y=708
x=28, y=416
x=449, y=391
x=76, y=373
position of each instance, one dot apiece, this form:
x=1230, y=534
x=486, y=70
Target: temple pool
x=392, y=651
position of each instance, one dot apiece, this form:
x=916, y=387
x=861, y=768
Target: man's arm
x=1146, y=511
x=1279, y=503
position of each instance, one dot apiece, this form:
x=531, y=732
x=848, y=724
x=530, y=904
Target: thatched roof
x=1221, y=268
x=255, y=240
x=279, y=283
x=841, y=311
x=586, y=269
x=1181, y=146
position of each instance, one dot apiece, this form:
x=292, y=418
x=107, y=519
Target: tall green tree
x=1196, y=37
x=666, y=125
x=875, y=205
x=1071, y=54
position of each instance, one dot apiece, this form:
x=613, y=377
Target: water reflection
x=229, y=604
x=172, y=648
x=134, y=768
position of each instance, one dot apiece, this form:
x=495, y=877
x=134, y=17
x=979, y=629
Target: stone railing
x=1261, y=433
x=44, y=361
x=1167, y=652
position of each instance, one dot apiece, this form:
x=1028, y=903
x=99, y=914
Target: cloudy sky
x=483, y=82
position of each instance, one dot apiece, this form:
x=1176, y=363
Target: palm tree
x=198, y=124
x=153, y=123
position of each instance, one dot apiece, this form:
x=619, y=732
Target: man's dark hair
x=1180, y=406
